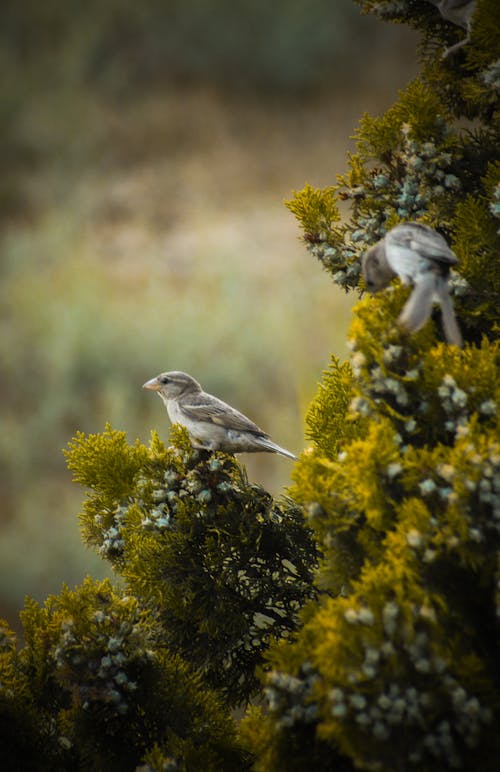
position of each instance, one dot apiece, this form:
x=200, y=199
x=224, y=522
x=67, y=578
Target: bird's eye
x=165, y=379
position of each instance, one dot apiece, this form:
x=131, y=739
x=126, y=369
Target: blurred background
x=146, y=150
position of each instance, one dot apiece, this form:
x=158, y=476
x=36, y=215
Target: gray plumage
x=211, y=423
x=420, y=257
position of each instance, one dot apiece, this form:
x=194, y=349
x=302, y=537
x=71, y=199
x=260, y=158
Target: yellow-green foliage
x=221, y=564
x=316, y=210
x=395, y=665
x=485, y=35
x=430, y=392
x=348, y=502
x=105, y=462
x=419, y=108
x=474, y=93
x=477, y=244
x=22, y=734
x=373, y=625
x=389, y=656
x=465, y=92
x=326, y=424
x=406, y=167
x=97, y=691
x=290, y=751
x=418, y=162
x=400, y=669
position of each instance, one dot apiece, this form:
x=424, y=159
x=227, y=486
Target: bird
x=420, y=257
x=211, y=423
x=459, y=12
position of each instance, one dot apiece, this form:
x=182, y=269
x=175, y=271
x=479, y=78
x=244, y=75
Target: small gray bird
x=421, y=257
x=210, y=422
x=459, y=12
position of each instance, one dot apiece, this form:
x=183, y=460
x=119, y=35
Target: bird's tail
x=418, y=307
x=268, y=444
x=450, y=324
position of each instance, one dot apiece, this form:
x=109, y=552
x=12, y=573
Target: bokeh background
x=146, y=151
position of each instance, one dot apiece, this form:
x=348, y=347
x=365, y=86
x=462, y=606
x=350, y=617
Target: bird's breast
x=174, y=412
x=204, y=431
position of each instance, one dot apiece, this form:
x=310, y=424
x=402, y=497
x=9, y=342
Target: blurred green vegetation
x=252, y=44
x=146, y=149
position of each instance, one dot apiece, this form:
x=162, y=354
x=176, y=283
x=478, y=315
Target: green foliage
x=477, y=242
x=293, y=751
x=468, y=80
x=316, y=210
x=369, y=626
x=419, y=162
x=407, y=163
x=429, y=392
x=438, y=34
x=21, y=733
x=411, y=537
x=389, y=676
x=101, y=693
x=406, y=513
x=222, y=565
x=419, y=108
x=105, y=463
x=326, y=424
x=396, y=663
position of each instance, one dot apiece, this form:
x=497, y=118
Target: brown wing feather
x=205, y=407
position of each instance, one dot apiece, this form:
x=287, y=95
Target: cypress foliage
x=361, y=612
x=143, y=674
x=396, y=665
x=222, y=565
x=92, y=689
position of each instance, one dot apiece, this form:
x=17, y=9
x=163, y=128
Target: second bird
x=211, y=423
x=421, y=257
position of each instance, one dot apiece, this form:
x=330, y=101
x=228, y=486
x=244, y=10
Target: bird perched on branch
x=459, y=12
x=421, y=257
x=210, y=422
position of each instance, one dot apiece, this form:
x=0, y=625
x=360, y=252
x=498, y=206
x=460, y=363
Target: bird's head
x=376, y=270
x=172, y=385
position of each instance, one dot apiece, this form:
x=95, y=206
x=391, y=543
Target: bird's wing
x=205, y=407
x=423, y=240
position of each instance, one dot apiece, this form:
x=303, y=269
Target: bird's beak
x=153, y=384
